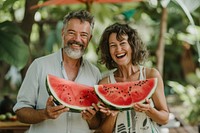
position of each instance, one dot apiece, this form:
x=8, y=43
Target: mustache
x=75, y=42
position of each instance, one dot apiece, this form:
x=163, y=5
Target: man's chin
x=74, y=55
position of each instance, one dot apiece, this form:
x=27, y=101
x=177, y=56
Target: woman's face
x=120, y=51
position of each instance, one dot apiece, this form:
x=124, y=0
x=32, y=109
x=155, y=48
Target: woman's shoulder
x=104, y=80
x=152, y=72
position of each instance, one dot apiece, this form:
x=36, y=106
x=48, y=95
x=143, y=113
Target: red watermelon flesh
x=73, y=95
x=123, y=95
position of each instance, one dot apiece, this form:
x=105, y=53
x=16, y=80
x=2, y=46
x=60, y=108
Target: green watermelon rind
x=108, y=104
x=75, y=109
x=128, y=107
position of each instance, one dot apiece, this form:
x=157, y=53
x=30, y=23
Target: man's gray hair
x=82, y=15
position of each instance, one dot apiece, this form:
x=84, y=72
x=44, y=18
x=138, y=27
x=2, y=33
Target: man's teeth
x=75, y=44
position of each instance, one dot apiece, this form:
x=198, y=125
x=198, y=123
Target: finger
x=108, y=112
x=102, y=107
x=147, y=101
x=137, y=108
x=102, y=104
x=95, y=107
x=50, y=101
x=114, y=113
x=142, y=107
x=56, y=108
x=104, y=111
x=54, y=112
x=86, y=115
x=90, y=111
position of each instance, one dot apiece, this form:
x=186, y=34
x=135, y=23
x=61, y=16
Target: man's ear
x=90, y=37
x=62, y=31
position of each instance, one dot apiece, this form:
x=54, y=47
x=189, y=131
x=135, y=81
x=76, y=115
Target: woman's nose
x=118, y=48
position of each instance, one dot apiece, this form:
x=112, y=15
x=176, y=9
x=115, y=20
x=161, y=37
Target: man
x=34, y=106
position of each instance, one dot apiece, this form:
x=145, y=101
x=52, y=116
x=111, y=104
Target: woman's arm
x=159, y=113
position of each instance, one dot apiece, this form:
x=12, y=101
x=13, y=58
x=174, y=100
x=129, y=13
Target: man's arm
x=33, y=116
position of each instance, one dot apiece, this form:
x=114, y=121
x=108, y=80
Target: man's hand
x=92, y=116
x=52, y=111
x=89, y=113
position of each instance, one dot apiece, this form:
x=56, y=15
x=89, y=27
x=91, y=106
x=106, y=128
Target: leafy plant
x=13, y=50
x=189, y=94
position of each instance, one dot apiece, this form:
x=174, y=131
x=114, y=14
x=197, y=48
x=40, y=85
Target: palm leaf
x=13, y=50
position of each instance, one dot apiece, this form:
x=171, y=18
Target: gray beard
x=74, y=54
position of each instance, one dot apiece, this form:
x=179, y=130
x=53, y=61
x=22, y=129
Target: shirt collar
x=61, y=62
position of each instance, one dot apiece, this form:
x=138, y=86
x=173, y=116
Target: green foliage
x=53, y=39
x=13, y=50
x=172, y=70
x=189, y=94
x=8, y=3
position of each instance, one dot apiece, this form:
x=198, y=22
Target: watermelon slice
x=123, y=95
x=70, y=94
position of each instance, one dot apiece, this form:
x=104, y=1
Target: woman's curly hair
x=139, y=51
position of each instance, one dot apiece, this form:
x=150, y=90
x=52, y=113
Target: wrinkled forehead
x=78, y=26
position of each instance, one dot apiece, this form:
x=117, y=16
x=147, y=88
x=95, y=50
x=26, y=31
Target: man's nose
x=77, y=37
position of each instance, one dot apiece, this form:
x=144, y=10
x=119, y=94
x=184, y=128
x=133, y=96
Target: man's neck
x=71, y=66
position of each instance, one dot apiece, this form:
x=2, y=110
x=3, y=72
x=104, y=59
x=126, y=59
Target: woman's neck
x=127, y=73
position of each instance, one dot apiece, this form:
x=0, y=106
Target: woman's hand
x=142, y=107
x=105, y=110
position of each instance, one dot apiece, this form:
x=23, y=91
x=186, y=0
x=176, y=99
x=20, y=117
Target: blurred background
x=170, y=29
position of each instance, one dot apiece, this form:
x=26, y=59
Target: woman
x=122, y=49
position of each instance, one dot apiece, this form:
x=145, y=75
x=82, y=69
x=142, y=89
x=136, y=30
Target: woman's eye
x=112, y=45
x=123, y=43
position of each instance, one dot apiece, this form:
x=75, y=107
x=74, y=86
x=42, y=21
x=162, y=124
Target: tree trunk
x=187, y=62
x=3, y=70
x=28, y=19
x=26, y=26
x=160, y=52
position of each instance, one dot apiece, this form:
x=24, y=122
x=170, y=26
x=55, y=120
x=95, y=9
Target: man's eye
x=71, y=33
x=84, y=36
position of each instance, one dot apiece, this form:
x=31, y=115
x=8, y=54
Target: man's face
x=76, y=36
